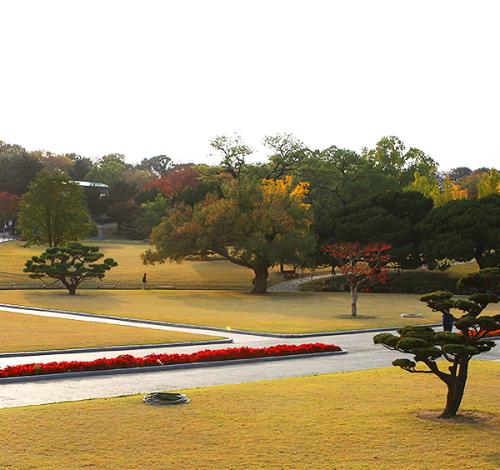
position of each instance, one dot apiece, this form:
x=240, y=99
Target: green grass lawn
x=20, y=332
x=378, y=419
x=301, y=312
x=130, y=268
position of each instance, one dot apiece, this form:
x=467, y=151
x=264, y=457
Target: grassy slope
x=300, y=312
x=21, y=332
x=338, y=421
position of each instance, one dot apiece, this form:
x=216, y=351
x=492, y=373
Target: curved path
x=362, y=354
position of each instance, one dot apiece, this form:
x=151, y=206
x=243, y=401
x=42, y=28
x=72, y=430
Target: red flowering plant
x=128, y=361
x=361, y=265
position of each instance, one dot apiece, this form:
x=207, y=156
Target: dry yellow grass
x=20, y=332
x=350, y=421
x=130, y=268
x=300, y=312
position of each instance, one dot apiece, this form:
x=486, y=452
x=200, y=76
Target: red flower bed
x=128, y=361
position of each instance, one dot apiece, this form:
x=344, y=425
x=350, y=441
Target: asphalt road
x=361, y=354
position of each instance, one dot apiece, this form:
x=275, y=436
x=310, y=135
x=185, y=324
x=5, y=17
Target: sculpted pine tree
x=427, y=345
x=71, y=264
x=256, y=224
x=362, y=265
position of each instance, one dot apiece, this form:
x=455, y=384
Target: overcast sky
x=146, y=78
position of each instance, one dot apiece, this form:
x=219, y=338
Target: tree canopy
x=463, y=230
x=390, y=217
x=256, y=224
x=53, y=211
x=338, y=177
x=391, y=157
x=19, y=168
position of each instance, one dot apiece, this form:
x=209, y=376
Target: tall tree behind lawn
x=390, y=156
x=338, y=177
x=389, y=217
x=256, y=224
x=18, y=168
x=463, y=230
x=53, y=211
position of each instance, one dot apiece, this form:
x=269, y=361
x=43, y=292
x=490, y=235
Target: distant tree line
x=388, y=194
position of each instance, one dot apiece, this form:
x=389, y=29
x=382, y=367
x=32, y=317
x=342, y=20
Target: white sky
x=151, y=77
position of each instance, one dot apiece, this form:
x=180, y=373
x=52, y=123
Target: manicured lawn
x=349, y=421
x=20, y=332
x=130, y=268
x=300, y=312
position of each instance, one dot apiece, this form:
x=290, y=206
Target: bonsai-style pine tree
x=361, y=265
x=71, y=264
x=457, y=349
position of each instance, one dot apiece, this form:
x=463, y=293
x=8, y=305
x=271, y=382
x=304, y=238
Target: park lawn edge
x=305, y=422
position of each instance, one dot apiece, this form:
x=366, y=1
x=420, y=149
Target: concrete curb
x=137, y=347
x=136, y=370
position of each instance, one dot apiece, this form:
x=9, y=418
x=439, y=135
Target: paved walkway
x=293, y=285
x=361, y=354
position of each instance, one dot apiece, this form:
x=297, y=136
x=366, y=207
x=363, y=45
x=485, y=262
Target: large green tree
x=391, y=157
x=389, y=217
x=463, y=230
x=151, y=216
x=157, y=166
x=53, y=211
x=123, y=213
x=71, y=264
x=457, y=349
x=256, y=224
x=233, y=152
x=18, y=168
x=339, y=177
x=109, y=172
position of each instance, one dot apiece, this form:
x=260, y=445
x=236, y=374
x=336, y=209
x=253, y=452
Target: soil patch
x=463, y=417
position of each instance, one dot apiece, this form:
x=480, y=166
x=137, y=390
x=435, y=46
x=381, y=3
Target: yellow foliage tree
x=489, y=184
x=256, y=224
x=429, y=187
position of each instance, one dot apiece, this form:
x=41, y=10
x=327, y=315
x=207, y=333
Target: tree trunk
x=260, y=280
x=71, y=287
x=354, y=299
x=456, y=388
